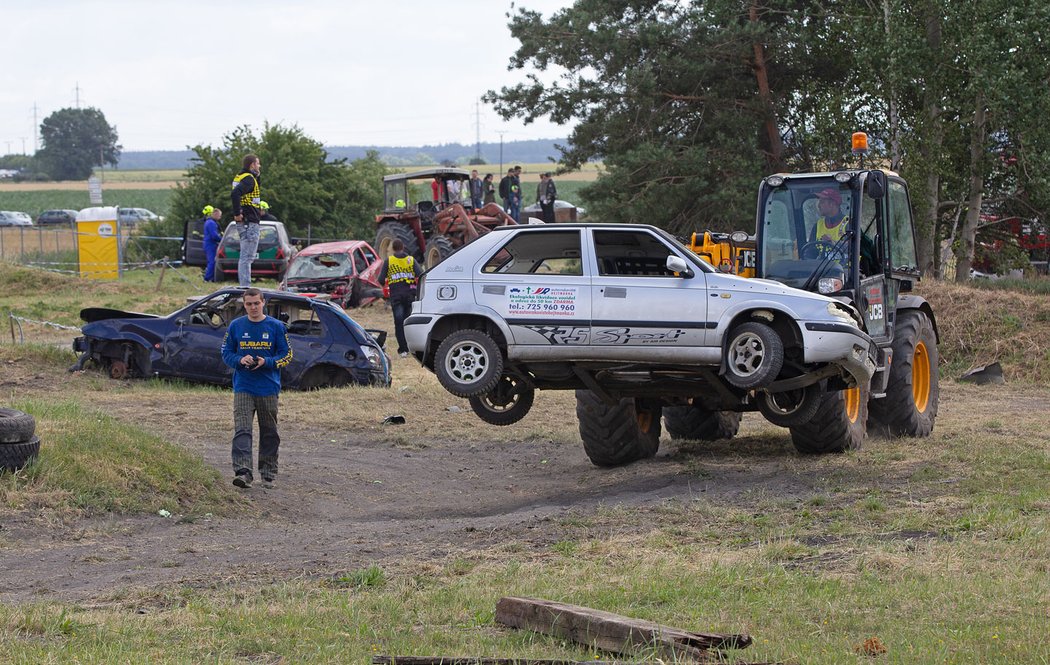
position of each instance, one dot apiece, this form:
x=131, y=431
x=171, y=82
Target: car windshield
x=320, y=266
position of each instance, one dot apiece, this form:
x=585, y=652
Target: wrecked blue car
x=329, y=348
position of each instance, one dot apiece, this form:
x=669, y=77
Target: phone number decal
x=545, y=300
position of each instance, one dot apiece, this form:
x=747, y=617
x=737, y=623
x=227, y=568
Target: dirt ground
x=344, y=500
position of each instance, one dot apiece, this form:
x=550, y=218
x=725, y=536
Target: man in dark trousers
x=256, y=347
x=401, y=272
x=246, y=200
x=476, y=190
x=504, y=189
x=548, y=192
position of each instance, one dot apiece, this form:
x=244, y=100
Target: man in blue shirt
x=256, y=347
x=212, y=238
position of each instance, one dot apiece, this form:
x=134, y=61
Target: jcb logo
x=747, y=258
x=875, y=312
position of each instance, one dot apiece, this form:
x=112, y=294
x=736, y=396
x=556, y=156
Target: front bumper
x=842, y=345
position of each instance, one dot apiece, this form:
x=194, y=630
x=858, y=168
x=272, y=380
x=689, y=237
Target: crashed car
x=348, y=270
x=328, y=347
x=639, y=326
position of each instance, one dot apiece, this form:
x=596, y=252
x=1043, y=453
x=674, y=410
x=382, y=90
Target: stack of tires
x=19, y=444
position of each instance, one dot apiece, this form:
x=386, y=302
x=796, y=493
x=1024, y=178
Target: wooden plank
x=611, y=632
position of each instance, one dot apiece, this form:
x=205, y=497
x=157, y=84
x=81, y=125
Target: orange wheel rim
x=920, y=377
x=852, y=397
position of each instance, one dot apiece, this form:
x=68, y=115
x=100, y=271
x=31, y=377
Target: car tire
x=617, y=434
x=506, y=404
x=468, y=363
x=791, y=407
x=699, y=424
x=16, y=426
x=753, y=356
x=14, y=456
x=390, y=231
x=439, y=247
x=840, y=424
x=913, y=389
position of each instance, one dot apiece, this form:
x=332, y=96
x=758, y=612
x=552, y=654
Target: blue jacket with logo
x=267, y=338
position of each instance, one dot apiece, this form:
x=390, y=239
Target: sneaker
x=403, y=354
x=266, y=482
x=242, y=480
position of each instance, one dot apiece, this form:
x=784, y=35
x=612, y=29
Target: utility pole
x=477, y=128
x=23, y=145
x=77, y=90
x=501, y=152
x=36, y=125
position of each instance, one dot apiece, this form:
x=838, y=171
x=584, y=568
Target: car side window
x=631, y=254
x=545, y=252
x=360, y=264
x=370, y=256
x=300, y=320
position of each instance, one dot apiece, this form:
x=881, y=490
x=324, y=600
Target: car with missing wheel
x=639, y=326
x=329, y=349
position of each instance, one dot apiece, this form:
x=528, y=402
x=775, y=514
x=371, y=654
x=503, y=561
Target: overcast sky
x=174, y=74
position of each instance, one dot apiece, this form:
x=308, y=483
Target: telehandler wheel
x=390, y=231
x=439, y=247
x=506, y=404
x=617, y=434
x=840, y=423
x=791, y=407
x=468, y=363
x=912, y=392
x=700, y=424
x=754, y=355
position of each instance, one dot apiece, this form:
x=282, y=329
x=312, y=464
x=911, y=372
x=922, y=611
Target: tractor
x=432, y=227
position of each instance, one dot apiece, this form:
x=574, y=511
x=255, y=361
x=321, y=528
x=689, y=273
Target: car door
x=537, y=282
x=194, y=349
x=193, y=243
x=309, y=335
x=637, y=302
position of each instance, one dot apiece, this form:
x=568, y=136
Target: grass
x=36, y=201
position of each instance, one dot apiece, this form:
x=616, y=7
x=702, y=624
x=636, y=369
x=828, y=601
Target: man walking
x=212, y=238
x=504, y=189
x=256, y=347
x=548, y=193
x=475, y=190
x=246, y=199
x=515, y=195
x=401, y=273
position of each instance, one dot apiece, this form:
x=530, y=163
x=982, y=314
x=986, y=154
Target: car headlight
x=374, y=355
x=840, y=312
x=828, y=285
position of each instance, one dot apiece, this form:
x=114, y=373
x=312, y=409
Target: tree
x=313, y=196
x=75, y=141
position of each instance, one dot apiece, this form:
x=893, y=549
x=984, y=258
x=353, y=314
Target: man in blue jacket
x=256, y=347
x=212, y=238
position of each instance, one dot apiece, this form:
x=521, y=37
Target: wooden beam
x=611, y=632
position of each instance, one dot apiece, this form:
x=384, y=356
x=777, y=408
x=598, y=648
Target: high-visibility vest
x=401, y=271
x=834, y=232
x=253, y=197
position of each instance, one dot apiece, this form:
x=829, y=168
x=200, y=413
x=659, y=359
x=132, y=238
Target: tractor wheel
x=696, y=423
x=616, y=435
x=791, y=407
x=754, y=355
x=14, y=456
x=439, y=247
x=392, y=230
x=912, y=392
x=468, y=363
x=16, y=426
x=839, y=424
x=505, y=404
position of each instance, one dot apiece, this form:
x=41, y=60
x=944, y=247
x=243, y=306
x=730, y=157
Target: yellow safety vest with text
x=401, y=270
x=253, y=197
x=835, y=232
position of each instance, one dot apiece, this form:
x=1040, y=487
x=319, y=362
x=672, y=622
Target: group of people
x=478, y=192
x=474, y=193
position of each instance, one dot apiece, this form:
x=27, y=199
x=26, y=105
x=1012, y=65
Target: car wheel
x=16, y=426
x=468, y=363
x=913, y=389
x=754, y=355
x=14, y=456
x=325, y=376
x=390, y=231
x=791, y=407
x=840, y=423
x=616, y=434
x=439, y=247
x=505, y=404
x=700, y=424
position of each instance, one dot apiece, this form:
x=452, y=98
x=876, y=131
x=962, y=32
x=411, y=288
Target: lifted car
x=328, y=347
x=634, y=322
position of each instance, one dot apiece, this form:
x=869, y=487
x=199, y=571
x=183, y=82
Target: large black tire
x=791, y=407
x=754, y=355
x=620, y=434
x=468, y=363
x=840, y=424
x=505, y=404
x=390, y=231
x=439, y=248
x=16, y=426
x=913, y=390
x=700, y=424
x=14, y=456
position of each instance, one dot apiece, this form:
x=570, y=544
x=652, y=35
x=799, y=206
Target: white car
x=634, y=321
x=15, y=218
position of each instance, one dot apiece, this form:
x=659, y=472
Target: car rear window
x=267, y=236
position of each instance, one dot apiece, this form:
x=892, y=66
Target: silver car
x=635, y=322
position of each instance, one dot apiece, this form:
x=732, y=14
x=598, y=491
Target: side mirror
x=677, y=264
x=876, y=184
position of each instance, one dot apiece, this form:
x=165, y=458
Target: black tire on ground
x=913, y=390
x=14, y=456
x=700, y=424
x=505, y=404
x=439, y=248
x=468, y=363
x=620, y=434
x=791, y=407
x=840, y=424
x=390, y=231
x=353, y=295
x=325, y=376
x=16, y=426
x=754, y=355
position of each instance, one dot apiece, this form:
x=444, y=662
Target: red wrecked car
x=347, y=270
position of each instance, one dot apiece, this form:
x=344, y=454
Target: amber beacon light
x=860, y=143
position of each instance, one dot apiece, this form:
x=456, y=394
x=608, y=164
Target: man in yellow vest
x=401, y=272
x=247, y=210
x=832, y=224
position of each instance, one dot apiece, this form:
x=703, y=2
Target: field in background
x=36, y=200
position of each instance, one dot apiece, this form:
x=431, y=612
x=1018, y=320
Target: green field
x=36, y=201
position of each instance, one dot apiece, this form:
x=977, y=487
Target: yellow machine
x=732, y=253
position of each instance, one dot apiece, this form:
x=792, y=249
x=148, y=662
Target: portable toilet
x=98, y=243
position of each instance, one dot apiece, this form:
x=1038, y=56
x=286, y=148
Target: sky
x=170, y=75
